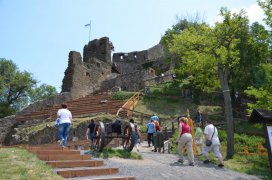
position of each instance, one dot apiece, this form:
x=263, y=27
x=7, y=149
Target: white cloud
x=253, y=12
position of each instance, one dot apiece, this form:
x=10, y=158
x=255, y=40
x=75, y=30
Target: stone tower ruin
x=98, y=72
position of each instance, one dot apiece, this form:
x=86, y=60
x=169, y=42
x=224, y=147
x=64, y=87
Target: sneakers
x=60, y=142
x=192, y=164
x=180, y=161
x=221, y=165
x=207, y=161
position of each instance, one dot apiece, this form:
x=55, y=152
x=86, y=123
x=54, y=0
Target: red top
x=185, y=128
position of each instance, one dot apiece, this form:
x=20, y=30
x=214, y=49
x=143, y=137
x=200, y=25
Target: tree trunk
x=223, y=76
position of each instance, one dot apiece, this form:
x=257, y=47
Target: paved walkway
x=159, y=166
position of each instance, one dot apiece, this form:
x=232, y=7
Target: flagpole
x=90, y=31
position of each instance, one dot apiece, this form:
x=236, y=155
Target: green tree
x=42, y=92
x=14, y=87
x=254, y=50
x=262, y=90
x=209, y=53
x=267, y=7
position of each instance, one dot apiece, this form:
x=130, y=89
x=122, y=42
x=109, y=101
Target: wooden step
x=55, y=152
x=116, y=178
x=70, y=164
x=86, y=172
x=63, y=157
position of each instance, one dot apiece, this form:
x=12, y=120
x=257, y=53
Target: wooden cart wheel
x=128, y=138
x=99, y=137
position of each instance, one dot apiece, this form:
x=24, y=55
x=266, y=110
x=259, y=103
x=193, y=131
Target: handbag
x=209, y=142
x=57, y=123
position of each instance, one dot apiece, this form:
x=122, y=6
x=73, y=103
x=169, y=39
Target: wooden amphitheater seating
x=81, y=106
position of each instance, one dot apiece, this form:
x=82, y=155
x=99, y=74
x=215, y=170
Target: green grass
x=110, y=152
x=19, y=164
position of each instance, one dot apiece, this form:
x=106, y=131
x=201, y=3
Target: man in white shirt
x=65, y=121
x=211, y=133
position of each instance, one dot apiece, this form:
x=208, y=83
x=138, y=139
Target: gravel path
x=159, y=166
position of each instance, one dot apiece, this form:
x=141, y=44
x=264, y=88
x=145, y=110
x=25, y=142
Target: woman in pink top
x=185, y=139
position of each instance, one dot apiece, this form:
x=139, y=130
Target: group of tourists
x=209, y=141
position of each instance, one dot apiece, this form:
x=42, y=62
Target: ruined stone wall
x=99, y=49
x=46, y=103
x=6, y=126
x=129, y=62
x=84, y=77
x=129, y=82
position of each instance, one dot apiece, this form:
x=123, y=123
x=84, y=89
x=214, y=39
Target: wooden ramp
x=70, y=163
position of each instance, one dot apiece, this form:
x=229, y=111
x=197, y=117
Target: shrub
x=122, y=95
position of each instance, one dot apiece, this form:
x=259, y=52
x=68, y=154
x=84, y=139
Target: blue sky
x=38, y=35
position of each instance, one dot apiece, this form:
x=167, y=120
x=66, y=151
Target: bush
x=122, y=95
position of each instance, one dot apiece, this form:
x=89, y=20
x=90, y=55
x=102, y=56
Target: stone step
x=49, y=147
x=116, y=178
x=70, y=173
x=70, y=164
x=55, y=152
x=63, y=157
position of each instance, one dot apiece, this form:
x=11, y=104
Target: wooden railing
x=130, y=105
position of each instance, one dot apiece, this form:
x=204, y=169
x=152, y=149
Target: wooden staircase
x=101, y=103
x=70, y=163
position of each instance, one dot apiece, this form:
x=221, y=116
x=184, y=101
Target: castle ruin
x=98, y=72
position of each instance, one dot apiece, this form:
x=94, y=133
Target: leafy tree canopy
x=18, y=89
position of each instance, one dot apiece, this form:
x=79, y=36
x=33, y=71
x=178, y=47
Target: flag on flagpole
x=87, y=25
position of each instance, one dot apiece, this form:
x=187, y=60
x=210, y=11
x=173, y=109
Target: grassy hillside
x=20, y=164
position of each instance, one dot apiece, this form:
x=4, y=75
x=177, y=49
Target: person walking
x=151, y=129
x=199, y=117
x=185, y=139
x=90, y=132
x=199, y=139
x=156, y=122
x=137, y=135
x=211, y=135
x=65, y=121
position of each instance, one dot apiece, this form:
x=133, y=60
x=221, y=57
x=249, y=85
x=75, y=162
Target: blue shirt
x=151, y=128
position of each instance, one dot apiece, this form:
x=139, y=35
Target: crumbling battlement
x=99, y=49
x=126, y=63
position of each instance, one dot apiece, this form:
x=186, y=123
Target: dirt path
x=158, y=166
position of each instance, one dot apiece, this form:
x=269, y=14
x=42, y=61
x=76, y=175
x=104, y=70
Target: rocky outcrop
x=6, y=126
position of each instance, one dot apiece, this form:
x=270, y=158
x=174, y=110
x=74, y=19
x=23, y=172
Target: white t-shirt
x=65, y=116
x=209, y=129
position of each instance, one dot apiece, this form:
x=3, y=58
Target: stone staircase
x=101, y=103
x=70, y=163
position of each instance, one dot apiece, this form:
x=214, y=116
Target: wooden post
x=166, y=134
x=173, y=128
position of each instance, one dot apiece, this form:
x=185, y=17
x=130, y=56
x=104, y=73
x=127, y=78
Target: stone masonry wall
x=82, y=78
x=99, y=49
x=6, y=125
x=129, y=62
x=46, y=103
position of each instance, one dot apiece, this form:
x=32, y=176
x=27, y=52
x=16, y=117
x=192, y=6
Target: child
x=199, y=139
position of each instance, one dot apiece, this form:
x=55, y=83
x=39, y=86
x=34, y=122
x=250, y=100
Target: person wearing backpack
x=155, y=119
x=211, y=143
x=151, y=129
